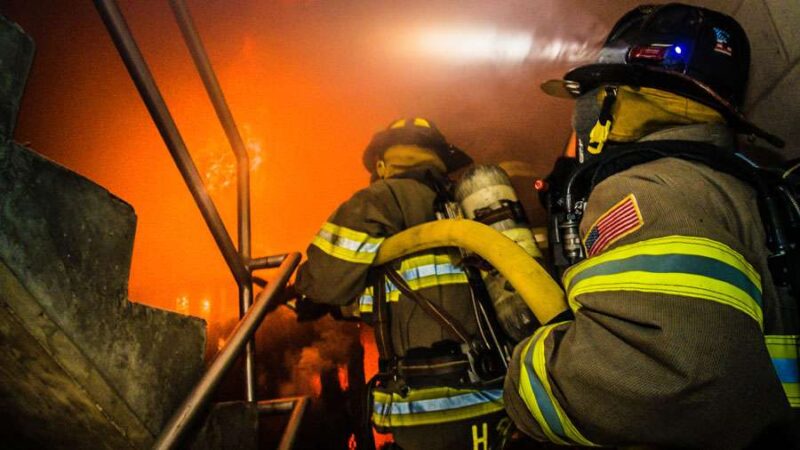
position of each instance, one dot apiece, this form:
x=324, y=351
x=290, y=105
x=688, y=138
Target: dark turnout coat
x=339, y=272
x=676, y=339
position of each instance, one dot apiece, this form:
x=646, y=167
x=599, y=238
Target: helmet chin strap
x=601, y=129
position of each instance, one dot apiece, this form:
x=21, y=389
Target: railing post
x=203, y=65
x=244, y=331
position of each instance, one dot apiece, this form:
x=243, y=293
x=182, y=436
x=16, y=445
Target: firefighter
x=679, y=337
x=425, y=394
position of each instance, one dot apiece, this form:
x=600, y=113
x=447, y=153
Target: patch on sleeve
x=621, y=220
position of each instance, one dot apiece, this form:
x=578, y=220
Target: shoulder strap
x=585, y=177
x=445, y=320
x=383, y=333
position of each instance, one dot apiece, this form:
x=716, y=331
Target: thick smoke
x=333, y=346
x=291, y=356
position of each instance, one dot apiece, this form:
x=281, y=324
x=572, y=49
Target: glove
x=514, y=316
x=307, y=310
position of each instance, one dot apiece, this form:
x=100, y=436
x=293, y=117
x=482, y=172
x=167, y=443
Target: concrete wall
x=773, y=100
x=773, y=97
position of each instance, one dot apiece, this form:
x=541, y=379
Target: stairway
x=80, y=365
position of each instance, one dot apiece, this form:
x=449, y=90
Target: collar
x=715, y=134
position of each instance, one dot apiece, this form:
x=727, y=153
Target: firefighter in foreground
x=680, y=337
x=426, y=394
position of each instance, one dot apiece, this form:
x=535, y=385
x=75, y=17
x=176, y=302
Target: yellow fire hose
x=539, y=291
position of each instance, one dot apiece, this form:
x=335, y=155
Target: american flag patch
x=722, y=45
x=621, y=220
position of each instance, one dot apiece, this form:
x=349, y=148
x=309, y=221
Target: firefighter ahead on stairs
x=427, y=393
x=679, y=337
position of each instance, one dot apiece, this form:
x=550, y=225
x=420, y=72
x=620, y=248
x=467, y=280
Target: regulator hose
x=539, y=291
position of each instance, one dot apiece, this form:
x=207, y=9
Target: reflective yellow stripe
x=782, y=345
x=526, y=391
x=428, y=406
x=783, y=351
x=537, y=393
x=687, y=245
x=677, y=265
x=349, y=245
x=792, y=391
x=426, y=271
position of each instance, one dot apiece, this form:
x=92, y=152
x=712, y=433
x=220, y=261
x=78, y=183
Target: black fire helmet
x=694, y=52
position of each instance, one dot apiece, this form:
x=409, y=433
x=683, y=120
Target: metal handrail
x=203, y=65
x=145, y=84
x=244, y=331
x=239, y=262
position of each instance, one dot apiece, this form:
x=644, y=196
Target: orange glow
x=304, y=154
x=316, y=385
x=370, y=352
x=308, y=84
x=370, y=369
x=205, y=307
x=344, y=379
x=182, y=304
x=570, y=150
x=351, y=442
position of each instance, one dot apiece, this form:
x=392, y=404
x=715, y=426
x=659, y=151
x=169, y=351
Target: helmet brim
x=581, y=80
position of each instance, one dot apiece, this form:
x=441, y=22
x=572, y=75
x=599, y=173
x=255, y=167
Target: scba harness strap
x=437, y=387
x=777, y=198
x=468, y=365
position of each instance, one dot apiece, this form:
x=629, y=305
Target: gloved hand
x=514, y=316
x=307, y=310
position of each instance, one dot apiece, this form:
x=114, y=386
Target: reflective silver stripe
x=365, y=303
x=349, y=244
x=430, y=270
x=439, y=404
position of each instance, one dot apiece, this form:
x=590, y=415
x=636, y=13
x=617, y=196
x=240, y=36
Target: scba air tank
x=486, y=195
